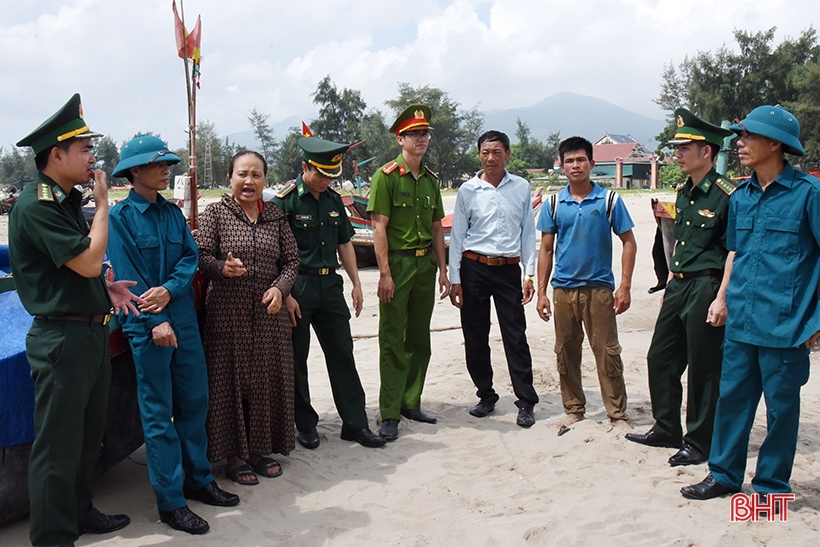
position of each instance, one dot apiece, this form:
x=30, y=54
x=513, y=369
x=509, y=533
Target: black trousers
x=480, y=282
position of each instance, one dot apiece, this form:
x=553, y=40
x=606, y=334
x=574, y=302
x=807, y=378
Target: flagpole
x=191, y=90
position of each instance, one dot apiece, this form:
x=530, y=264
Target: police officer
x=56, y=261
x=405, y=206
x=689, y=328
x=320, y=225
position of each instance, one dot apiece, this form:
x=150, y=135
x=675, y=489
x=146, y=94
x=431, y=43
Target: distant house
x=623, y=162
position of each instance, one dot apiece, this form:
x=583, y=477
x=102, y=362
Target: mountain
x=574, y=114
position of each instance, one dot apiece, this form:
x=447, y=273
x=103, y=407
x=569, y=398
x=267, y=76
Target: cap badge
x=680, y=121
x=337, y=157
x=418, y=114
x=81, y=111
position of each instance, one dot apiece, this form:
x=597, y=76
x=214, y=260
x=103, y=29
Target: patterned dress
x=249, y=352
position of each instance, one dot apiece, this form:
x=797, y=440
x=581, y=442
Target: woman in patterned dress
x=248, y=253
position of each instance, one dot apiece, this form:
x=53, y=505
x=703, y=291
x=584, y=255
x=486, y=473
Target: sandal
x=266, y=467
x=243, y=475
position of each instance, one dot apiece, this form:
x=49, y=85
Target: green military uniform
x=319, y=226
x=69, y=358
x=412, y=206
x=682, y=336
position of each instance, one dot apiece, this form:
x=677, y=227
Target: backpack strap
x=553, y=205
x=611, y=196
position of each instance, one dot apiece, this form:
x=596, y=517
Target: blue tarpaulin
x=16, y=385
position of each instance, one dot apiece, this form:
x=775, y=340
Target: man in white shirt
x=493, y=231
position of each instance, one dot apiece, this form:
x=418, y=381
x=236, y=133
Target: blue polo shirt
x=583, y=249
x=772, y=293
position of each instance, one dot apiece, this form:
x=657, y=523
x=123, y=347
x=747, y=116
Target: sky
x=270, y=54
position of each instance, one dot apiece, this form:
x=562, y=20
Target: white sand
x=481, y=482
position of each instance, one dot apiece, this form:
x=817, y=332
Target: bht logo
x=750, y=507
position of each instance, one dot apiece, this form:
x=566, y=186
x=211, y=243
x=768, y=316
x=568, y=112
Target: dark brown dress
x=249, y=352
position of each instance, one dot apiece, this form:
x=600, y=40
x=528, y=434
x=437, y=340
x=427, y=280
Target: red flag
x=186, y=40
x=306, y=132
x=194, y=39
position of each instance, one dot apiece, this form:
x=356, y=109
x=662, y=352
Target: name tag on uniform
x=304, y=217
x=333, y=214
x=404, y=194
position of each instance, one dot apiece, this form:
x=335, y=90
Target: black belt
x=699, y=273
x=492, y=260
x=317, y=271
x=96, y=319
x=411, y=252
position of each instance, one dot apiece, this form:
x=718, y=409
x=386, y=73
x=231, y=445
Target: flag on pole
x=306, y=132
x=186, y=40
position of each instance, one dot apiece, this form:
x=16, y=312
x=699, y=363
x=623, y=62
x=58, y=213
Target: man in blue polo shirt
x=773, y=317
x=582, y=217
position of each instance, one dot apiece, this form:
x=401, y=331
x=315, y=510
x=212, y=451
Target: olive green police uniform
x=404, y=323
x=319, y=226
x=682, y=336
x=68, y=355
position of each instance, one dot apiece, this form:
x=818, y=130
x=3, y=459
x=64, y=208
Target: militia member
x=405, y=205
x=689, y=329
x=773, y=317
x=319, y=222
x=582, y=218
x=151, y=242
x=56, y=261
x=493, y=231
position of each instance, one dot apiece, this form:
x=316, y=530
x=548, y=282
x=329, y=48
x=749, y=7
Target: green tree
x=340, y=117
x=530, y=153
x=17, y=167
x=264, y=135
x=108, y=155
x=807, y=107
x=288, y=158
x=670, y=175
x=381, y=144
x=208, y=145
x=455, y=132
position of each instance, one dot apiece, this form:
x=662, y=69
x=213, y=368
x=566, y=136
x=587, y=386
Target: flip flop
x=237, y=473
x=265, y=466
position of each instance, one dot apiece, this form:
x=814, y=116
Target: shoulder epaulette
x=726, y=185
x=44, y=192
x=286, y=190
x=431, y=172
x=390, y=167
x=333, y=190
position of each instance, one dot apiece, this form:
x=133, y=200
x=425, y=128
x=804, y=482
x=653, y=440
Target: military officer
x=320, y=225
x=405, y=206
x=57, y=262
x=689, y=328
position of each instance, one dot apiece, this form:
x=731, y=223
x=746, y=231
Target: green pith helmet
x=67, y=123
x=325, y=156
x=143, y=150
x=774, y=122
x=415, y=116
x=693, y=129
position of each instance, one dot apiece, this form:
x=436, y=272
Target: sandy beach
x=480, y=482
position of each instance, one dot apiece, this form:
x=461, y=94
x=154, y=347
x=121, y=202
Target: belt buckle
x=421, y=252
x=496, y=261
x=106, y=319
x=679, y=275
x=324, y=271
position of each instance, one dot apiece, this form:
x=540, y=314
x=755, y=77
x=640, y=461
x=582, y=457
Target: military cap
x=67, y=123
x=774, y=122
x=143, y=150
x=693, y=129
x=325, y=156
x=415, y=116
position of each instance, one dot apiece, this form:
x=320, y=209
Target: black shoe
x=525, y=417
x=706, y=489
x=309, y=439
x=687, y=455
x=651, y=438
x=417, y=415
x=389, y=430
x=184, y=520
x=364, y=437
x=483, y=408
x=211, y=495
x=99, y=523
x=656, y=288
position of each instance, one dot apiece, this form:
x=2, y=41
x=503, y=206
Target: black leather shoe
x=417, y=415
x=309, y=439
x=184, y=520
x=651, y=438
x=364, y=437
x=483, y=408
x=389, y=430
x=98, y=523
x=706, y=489
x=656, y=288
x=211, y=495
x=525, y=417
x=687, y=455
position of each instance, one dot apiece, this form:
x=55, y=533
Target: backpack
x=610, y=198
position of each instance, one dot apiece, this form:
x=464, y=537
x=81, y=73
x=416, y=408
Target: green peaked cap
x=693, y=129
x=326, y=156
x=415, y=116
x=67, y=123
